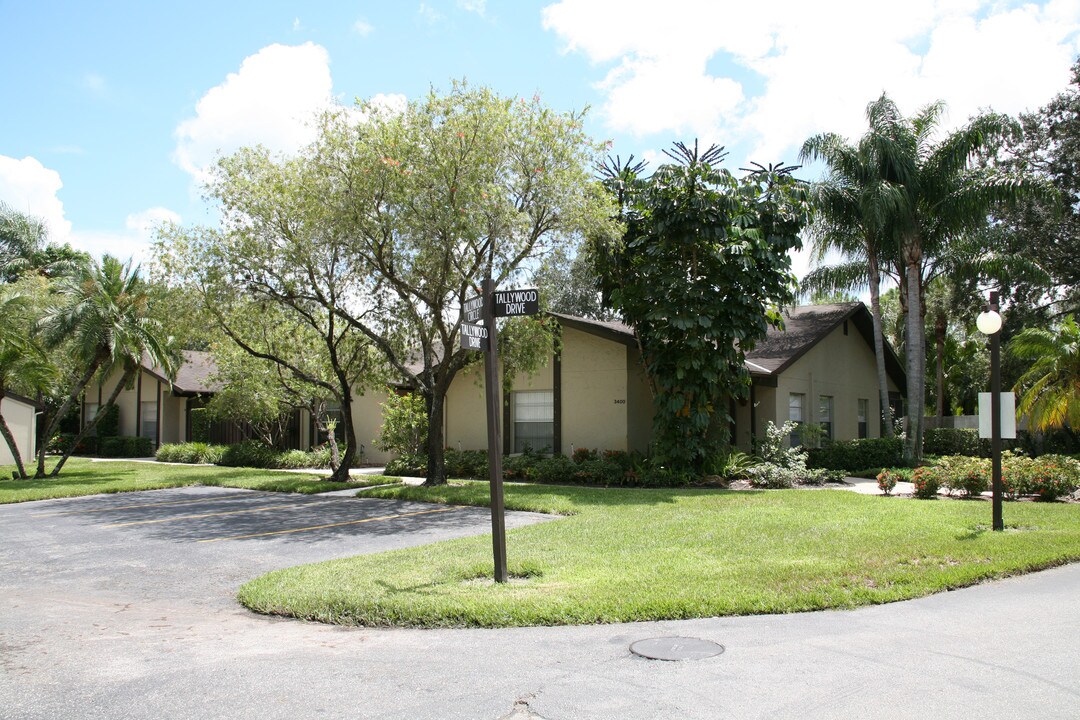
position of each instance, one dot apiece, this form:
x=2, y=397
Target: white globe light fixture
x=988, y=322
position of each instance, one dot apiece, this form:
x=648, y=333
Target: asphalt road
x=112, y=611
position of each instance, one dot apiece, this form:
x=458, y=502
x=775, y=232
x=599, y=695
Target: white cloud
x=428, y=14
x=135, y=243
x=271, y=100
x=362, y=27
x=770, y=74
x=477, y=6
x=29, y=187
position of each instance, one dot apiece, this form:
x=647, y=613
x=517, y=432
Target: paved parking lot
x=122, y=607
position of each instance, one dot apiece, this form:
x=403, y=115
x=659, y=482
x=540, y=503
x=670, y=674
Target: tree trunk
x=879, y=350
x=12, y=445
x=124, y=380
x=341, y=472
x=915, y=363
x=436, y=444
x=939, y=347
x=62, y=413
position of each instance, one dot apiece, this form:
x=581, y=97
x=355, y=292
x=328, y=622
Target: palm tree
x=104, y=319
x=22, y=360
x=1051, y=386
x=852, y=206
x=932, y=198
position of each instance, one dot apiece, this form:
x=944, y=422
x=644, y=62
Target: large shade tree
x=700, y=274
x=391, y=220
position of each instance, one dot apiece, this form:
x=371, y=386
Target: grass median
x=82, y=476
x=629, y=555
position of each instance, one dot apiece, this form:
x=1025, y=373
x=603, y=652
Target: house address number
x=620, y=402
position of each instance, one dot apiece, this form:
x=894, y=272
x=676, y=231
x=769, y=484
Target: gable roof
x=193, y=376
x=805, y=327
x=15, y=397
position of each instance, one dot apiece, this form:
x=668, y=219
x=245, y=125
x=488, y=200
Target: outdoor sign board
x=474, y=337
x=1008, y=415
x=474, y=308
x=513, y=303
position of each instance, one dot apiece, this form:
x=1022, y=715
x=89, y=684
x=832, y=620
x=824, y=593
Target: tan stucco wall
x=594, y=392
x=21, y=419
x=639, y=403
x=598, y=389
x=171, y=421
x=465, y=424
x=841, y=366
x=367, y=420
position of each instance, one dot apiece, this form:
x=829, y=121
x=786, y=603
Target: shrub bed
x=192, y=453
x=125, y=447
x=955, y=441
x=254, y=454
x=1047, y=477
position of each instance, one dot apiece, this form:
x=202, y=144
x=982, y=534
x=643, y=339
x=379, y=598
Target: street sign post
x=474, y=308
x=484, y=308
x=474, y=337
x=513, y=303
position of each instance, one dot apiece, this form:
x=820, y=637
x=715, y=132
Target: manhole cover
x=676, y=648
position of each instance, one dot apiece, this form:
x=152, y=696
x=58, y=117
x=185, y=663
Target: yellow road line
x=142, y=505
x=216, y=514
x=330, y=525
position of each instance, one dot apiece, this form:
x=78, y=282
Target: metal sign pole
x=995, y=419
x=491, y=386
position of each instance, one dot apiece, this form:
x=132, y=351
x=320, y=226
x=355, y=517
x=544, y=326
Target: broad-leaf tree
x=700, y=275
x=384, y=227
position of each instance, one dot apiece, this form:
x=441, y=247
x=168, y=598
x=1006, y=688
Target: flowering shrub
x=967, y=475
x=886, y=481
x=1047, y=477
x=927, y=481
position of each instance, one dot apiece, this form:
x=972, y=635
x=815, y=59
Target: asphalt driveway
x=122, y=607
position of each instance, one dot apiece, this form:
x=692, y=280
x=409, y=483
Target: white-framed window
x=90, y=410
x=534, y=420
x=148, y=419
x=796, y=413
x=825, y=416
x=864, y=418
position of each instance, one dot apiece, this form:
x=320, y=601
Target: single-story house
x=155, y=408
x=593, y=393
x=20, y=413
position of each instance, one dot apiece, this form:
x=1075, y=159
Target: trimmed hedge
x=193, y=452
x=955, y=441
x=125, y=447
x=853, y=455
x=252, y=453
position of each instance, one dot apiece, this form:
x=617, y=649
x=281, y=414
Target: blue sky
x=113, y=110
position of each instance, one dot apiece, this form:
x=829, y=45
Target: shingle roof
x=194, y=375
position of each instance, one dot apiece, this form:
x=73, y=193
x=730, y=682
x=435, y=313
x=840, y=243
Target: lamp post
x=989, y=324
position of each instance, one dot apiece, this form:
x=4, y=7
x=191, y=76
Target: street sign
x=474, y=337
x=512, y=303
x=474, y=308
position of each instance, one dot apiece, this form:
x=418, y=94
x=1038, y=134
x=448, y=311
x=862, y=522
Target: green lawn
x=81, y=476
x=626, y=555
